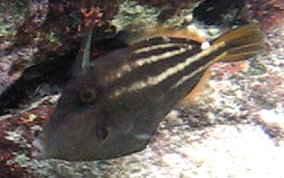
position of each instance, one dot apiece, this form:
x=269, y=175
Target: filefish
x=113, y=105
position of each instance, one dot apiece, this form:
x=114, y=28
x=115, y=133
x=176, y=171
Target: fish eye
x=87, y=95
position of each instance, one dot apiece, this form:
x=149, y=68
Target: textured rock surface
x=235, y=129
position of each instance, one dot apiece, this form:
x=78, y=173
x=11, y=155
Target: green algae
x=12, y=15
x=131, y=15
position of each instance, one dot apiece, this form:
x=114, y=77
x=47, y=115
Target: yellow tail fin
x=241, y=43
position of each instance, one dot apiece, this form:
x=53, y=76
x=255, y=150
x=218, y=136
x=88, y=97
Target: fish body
x=114, y=104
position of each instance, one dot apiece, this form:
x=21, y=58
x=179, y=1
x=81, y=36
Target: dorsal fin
x=82, y=62
x=190, y=34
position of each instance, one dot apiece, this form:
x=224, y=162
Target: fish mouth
x=38, y=149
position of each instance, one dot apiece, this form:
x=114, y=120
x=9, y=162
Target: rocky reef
x=234, y=128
